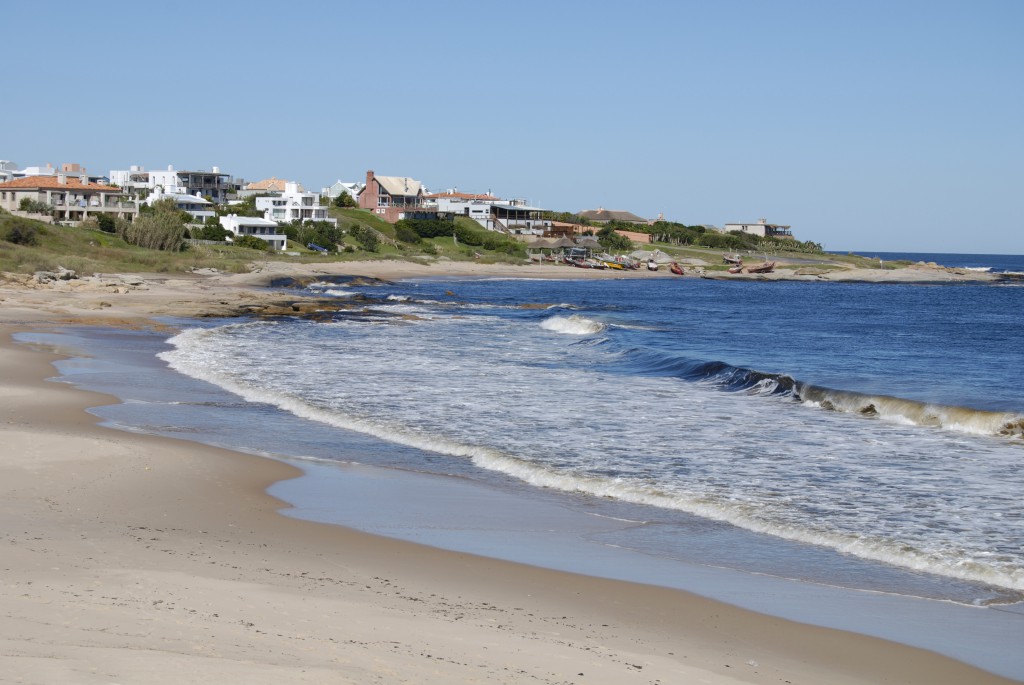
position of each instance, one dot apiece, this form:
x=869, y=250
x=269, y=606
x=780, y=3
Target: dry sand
x=137, y=559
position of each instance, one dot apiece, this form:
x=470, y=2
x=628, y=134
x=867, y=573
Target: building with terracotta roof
x=72, y=197
x=267, y=185
x=455, y=195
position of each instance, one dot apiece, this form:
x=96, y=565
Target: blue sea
x=865, y=437
x=994, y=263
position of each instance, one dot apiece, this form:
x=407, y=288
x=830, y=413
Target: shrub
x=406, y=233
x=366, y=237
x=428, y=228
x=210, y=232
x=106, y=223
x=21, y=232
x=251, y=242
x=159, y=229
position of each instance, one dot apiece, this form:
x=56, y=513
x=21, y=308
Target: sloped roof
x=273, y=183
x=461, y=196
x=603, y=214
x=53, y=183
x=400, y=185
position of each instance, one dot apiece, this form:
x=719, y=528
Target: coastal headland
x=142, y=559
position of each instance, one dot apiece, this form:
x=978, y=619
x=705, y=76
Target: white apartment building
x=293, y=205
x=264, y=229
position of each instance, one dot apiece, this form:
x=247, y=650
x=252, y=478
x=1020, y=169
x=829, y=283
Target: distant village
x=69, y=194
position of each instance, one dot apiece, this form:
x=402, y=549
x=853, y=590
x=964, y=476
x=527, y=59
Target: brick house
x=394, y=198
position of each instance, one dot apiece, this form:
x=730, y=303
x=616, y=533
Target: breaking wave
x=730, y=378
x=574, y=324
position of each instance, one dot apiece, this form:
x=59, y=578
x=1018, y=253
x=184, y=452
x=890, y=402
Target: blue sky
x=865, y=125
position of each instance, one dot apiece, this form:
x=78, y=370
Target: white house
x=761, y=228
x=212, y=184
x=494, y=214
x=338, y=187
x=294, y=204
x=133, y=180
x=196, y=205
x=263, y=229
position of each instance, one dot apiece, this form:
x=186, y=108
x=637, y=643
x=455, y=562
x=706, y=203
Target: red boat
x=676, y=269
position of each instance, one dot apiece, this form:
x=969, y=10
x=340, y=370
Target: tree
x=246, y=207
x=345, y=200
x=27, y=204
x=612, y=241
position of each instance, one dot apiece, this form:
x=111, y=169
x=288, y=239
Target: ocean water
x=861, y=436
x=995, y=263
x=880, y=422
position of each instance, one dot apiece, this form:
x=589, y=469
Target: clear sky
x=866, y=125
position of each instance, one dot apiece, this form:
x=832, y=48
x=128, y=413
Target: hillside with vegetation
x=163, y=239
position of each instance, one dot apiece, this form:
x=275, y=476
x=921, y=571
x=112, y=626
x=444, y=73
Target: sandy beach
x=139, y=559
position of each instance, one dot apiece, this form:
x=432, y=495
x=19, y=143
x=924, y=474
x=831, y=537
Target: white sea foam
x=529, y=406
x=574, y=324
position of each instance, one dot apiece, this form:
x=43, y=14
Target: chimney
x=62, y=179
x=216, y=169
x=369, y=177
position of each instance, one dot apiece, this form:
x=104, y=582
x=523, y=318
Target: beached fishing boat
x=765, y=268
x=732, y=258
x=676, y=269
x=736, y=268
x=652, y=265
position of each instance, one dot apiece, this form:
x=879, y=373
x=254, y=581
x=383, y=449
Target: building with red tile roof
x=71, y=197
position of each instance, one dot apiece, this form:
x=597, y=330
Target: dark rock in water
x=869, y=410
x=306, y=281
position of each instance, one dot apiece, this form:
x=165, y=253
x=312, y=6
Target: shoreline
x=196, y=569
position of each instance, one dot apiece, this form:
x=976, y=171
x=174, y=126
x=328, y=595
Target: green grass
x=90, y=251
x=347, y=217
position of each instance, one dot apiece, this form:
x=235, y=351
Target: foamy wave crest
x=912, y=412
x=893, y=409
x=745, y=516
x=398, y=298
x=340, y=293
x=572, y=325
